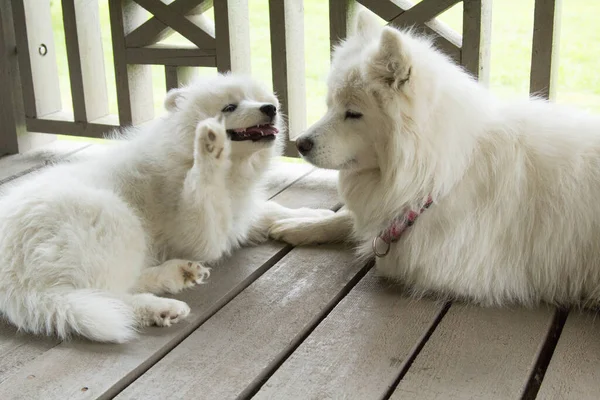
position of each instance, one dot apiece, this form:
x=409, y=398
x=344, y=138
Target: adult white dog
x=81, y=244
x=513, y=187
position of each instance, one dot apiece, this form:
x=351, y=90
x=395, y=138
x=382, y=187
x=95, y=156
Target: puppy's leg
x=149, y=309
x=205, y=197
x=172, y=277
x=302, y=231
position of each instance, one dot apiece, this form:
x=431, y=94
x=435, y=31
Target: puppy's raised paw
x=211, y=139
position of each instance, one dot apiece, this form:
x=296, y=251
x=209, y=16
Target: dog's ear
x=366, y=24
x=392, y=62
x=174, y=98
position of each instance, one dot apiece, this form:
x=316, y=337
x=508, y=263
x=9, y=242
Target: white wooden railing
x=30, y=99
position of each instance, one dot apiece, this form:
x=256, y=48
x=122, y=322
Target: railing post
x=232, y=33
x=544, y=52
x=287, y=58
x=86, y=61
x=134, y=82
x=477, y=38
x=341, y=13
x=178, y=76
x=12, y=116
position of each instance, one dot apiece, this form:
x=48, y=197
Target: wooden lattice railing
x=30, y=98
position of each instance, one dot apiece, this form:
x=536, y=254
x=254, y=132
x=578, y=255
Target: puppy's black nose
x=304, y=145
x=269, y=110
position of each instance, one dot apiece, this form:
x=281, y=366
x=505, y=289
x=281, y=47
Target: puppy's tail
x=63, y=312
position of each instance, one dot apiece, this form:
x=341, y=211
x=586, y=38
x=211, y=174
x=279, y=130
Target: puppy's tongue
x=263, y=130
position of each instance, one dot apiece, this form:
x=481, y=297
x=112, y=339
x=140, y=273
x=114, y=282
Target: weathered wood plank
x=134, y=82
x=574, y=370
x=359, y=349
x=287, y=30
x=18, y=165
x=232, y=33
x=171, y=56
x=386, y=10
x=247, y=338
x=477, y=38
x=544, y=51
x=319, y=181
x=283, y=174
x=422, y=12
x=477, y=353
x=12, y=114
x=445, y=38
x=154, y=30
x=85, y=129
x=178, y=22
x=17, y=349
x=81, y=369
x=86, y=60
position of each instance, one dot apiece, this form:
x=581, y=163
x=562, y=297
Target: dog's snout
x=304, y=145
x=269, y=110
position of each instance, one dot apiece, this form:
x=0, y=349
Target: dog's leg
x=205, y=196
x=172, y=277
x=149, y=309
x=301, y=226
x=332, y=228
x=271, y=212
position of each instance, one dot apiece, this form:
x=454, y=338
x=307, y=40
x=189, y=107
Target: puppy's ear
x=366, y=24
x=392, y=62
x=174, y=99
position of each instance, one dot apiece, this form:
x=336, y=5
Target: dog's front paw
x=295, y=231
x=169, y=311
x=211, y=140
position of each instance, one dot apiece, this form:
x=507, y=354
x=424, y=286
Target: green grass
x=578, y=82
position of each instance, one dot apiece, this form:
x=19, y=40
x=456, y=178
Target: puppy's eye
x=229, y=108
x=352, y=115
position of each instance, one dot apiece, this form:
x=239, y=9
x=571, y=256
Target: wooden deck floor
x=277, y=322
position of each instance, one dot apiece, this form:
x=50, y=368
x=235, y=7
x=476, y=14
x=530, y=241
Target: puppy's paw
x=194, y=273
x=182, y=274
x=159, y=311
x=211, y=140
x=169, y=311
x=295, y=231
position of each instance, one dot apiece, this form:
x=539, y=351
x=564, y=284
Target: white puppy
x=514, y=186
x=85, y=246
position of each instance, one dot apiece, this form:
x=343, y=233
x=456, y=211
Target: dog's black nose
x=269, y=110
x=304, y=145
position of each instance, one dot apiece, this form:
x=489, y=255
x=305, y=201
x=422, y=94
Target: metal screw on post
x=43, y=50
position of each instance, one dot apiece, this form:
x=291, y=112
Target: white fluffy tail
x=63, y=312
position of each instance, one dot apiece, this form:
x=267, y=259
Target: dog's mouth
x=255, y=133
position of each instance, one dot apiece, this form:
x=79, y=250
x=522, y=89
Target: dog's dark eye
x=352, y=115
x=229, y=108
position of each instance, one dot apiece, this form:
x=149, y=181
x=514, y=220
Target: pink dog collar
x=397, y=228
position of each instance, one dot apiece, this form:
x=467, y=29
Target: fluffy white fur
x=516, y=185
x=85, y=246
